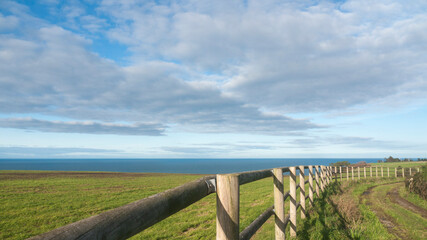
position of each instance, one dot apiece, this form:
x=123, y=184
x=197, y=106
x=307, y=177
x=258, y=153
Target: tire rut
x=397, y=199
x=386, y=220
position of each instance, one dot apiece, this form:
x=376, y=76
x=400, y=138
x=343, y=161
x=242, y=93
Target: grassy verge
x=413, y=198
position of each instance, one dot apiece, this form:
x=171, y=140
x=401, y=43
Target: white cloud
x=53, y=74
x=89, y=127
x=288, y=57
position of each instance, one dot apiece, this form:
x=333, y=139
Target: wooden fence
x=130, y=219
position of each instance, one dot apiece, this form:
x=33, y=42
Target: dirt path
x=394, y=196
x=389, y=223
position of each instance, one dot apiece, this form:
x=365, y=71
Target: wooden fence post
x=328, y=175
x=403, y=172
x=364, y=172
x=336, y=174
x=293, y=201
x=388, y=171
x=316, y=172
x=322, y=185
x=410, y=171
x=395, y=172
x=370, y=168
x=418, y=169
x=227, y=205
x=279, y=208
x=347, y=173
x=376, y=171
x=352, y=173
x=310, y=184
x=358, y=173
x=302, y=190
x=382, y=172
x=341, y=173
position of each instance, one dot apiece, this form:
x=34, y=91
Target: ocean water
x=202, y=166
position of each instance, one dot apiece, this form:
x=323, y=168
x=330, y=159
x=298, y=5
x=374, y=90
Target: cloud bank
x=207, y=66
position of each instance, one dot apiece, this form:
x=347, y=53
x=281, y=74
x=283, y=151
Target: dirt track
x=389, y=222
x=396, y=198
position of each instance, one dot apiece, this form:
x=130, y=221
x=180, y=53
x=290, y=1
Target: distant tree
x=340, y=164
x=392, y=159
x=379, y=161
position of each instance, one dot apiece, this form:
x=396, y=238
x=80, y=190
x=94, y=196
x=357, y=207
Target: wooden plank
x=227, y=207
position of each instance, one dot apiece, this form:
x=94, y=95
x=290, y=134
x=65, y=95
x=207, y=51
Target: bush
x=418, y=183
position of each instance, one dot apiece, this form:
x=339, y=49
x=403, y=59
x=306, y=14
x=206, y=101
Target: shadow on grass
x=324, y=221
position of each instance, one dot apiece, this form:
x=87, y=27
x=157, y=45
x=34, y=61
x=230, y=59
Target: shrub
x=418, y=183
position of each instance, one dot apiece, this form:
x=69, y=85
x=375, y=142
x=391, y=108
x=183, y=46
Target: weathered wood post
x=370, y=168
x=341, y=173
x=376, y=171
x=322, y=185
x=418, y=169
x=388, y=171
x=364, y=172
x=310, y=184
x=352, y=173
x=403, y=172
x=336, y=174
x=293, y=201
x=358, y=173
x=227, y=205
x=395, y=172
x=347, y=173
x=327, y=175
x=382, y=172
x=279, y=208
x=410, y=171
x=302, y=190
x=316, y=171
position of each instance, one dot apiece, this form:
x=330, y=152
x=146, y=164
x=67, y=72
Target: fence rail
x=128, y=220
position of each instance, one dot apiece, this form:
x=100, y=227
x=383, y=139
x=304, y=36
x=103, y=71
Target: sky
x=213, y=79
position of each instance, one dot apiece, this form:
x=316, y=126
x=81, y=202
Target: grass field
x=400, y=164
x=34, y=202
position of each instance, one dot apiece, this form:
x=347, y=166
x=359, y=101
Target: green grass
x=399, y=164
x=30, y=206
x=413, y=223
x=368, y=225
x=34, y=202
x=413, y=198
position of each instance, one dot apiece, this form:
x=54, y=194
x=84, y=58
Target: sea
x=169, y=165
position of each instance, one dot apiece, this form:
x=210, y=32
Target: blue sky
x=213, y=79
